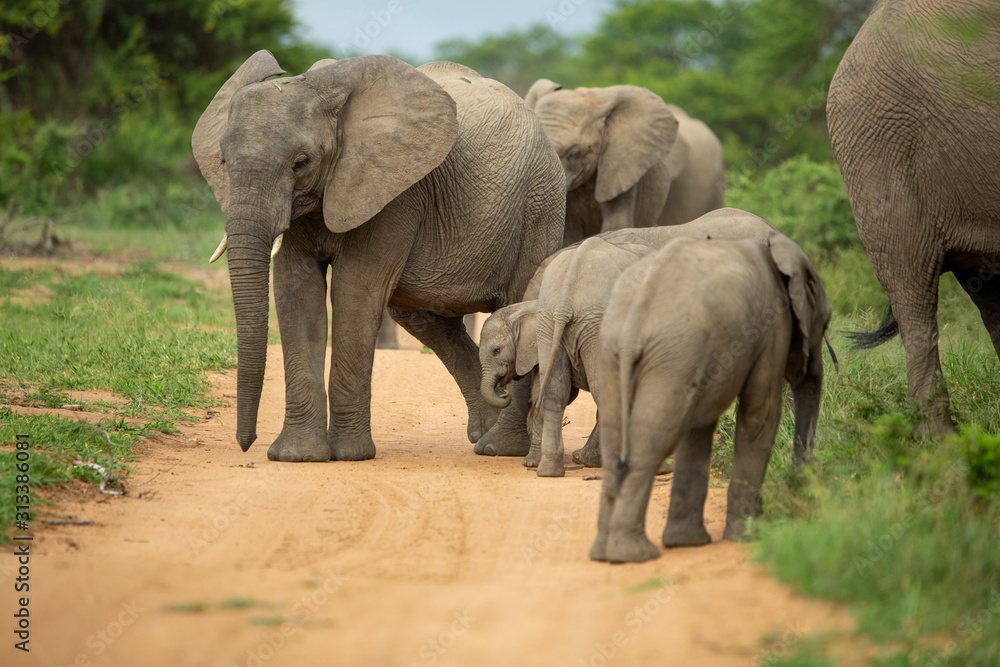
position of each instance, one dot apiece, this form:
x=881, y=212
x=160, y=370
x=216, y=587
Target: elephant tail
x=626, y=364
x=866, y=340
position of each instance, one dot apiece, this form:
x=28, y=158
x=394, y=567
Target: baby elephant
x=559, y=330
x=687, y=330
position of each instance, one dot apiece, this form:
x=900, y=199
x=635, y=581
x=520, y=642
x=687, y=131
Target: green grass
x=143, y=334
x=894, y=524
x=885, y=520
x=54, y=444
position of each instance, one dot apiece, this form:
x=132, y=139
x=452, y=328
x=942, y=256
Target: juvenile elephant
x=560, y=329
x=914, y=118
x=385, y=176
x=688, y=329
x=630, y=159
x=510, y=333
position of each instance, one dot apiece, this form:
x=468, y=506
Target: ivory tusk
x=277, y=244
x=221, y=249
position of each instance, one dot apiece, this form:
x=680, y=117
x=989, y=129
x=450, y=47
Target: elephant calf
x=507, y=343
x=558, y=332
x=687, y=330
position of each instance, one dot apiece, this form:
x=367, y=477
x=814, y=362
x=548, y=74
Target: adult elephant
x=430, y=191
x=630, y=159
x=914, y=119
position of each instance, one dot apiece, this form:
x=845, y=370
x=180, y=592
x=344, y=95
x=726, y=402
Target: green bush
x=982, y=453
x=33, y=162
x=806, y=200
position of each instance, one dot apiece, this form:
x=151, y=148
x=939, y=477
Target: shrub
x=806, y=200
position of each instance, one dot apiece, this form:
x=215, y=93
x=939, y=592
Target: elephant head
x=810, y=317
x=615, y=133
x=507, y=350
x=343, y=139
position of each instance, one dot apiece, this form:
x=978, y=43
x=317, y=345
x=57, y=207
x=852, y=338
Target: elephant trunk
x=249, y=256
x=489, y=391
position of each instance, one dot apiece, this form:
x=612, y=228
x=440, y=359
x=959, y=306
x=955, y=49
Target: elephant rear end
x=915, y=127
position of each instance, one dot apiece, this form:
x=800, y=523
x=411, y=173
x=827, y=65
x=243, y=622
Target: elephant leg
x=655, y=428
x=363, y=277
x=509, y=436
x=758, y=414
x=590, y=454
x=984, y=288
x=450, y=341
x=387, y=335
x=918, y=329
x=553, y=403
x=535, y=422
x=300, y=302
x=910, y=273
x=611, y=447
x=686, y=517
x=534, y=427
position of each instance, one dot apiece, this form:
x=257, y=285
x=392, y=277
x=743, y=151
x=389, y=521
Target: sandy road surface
x=428, y=555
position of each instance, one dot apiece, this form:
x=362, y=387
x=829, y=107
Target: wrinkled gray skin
x=571, y=302
x=687, y=330
x=561, y=329
x=384, y=176
x=914, y=121
x=630, y=159
x=510, y=433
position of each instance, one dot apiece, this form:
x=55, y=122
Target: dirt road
x=427, y=555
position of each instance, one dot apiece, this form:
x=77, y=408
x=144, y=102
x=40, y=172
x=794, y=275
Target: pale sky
x=412, y=27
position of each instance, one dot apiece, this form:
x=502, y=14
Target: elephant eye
x=301, y=162
x=496, y=352
x=223, y=161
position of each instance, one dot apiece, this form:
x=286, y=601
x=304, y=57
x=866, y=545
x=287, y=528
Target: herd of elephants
x=588, y=222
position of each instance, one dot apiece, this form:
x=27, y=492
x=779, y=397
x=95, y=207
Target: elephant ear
x=212, y=124
x=396, y=126
x=639, y=132
x=539, y=89
x=523, y=324
x=810, y=309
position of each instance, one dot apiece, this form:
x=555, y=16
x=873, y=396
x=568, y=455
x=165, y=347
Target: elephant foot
x=598, y=551
x=549, y=467
x=736, y=531
x=298, y=447
x=589, y=456
x=346, y=446
x=685, y=534
x=631, y=549
x=481, y=419
x=533, y=457
x=504, y=440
